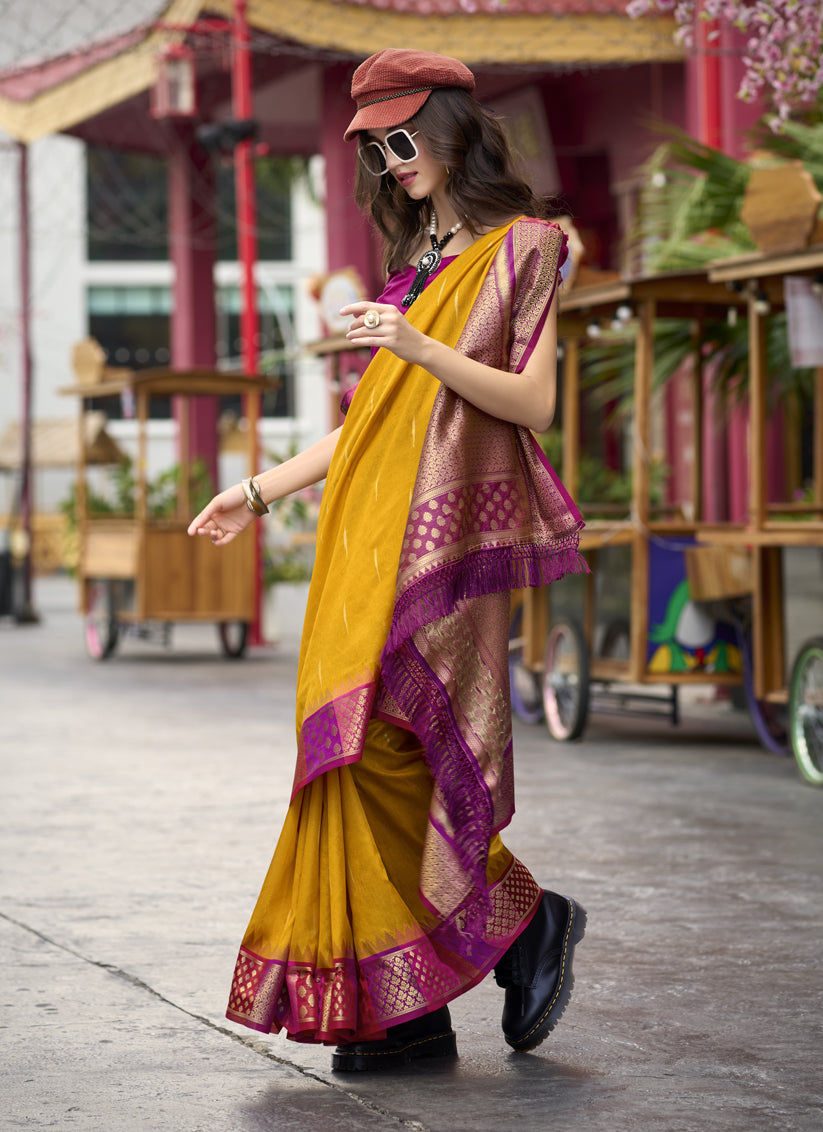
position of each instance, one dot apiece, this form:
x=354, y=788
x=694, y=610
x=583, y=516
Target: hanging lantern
x=175, y=92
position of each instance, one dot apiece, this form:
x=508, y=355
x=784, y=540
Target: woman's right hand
x=225, y=517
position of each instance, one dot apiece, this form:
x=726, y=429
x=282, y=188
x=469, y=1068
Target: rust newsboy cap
x=391, y=86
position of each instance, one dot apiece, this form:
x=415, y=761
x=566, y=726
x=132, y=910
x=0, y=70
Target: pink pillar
x=192, y=241
x=715, y=495
x=718, y=118
x=738, y=460
x=349, y=240
x=738, y=117
x=776, y=455
x=679, y=433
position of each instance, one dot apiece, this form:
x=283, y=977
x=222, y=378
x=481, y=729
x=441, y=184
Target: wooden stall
x=792, y=683
x=637, y=653
x=137, y=569
x=721, y=617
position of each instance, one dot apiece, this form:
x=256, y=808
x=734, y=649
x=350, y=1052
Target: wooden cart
x=789, y=680
x=713, y=573
x=139, y=573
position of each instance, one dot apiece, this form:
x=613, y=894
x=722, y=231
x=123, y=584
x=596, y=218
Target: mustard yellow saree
x=390, y=891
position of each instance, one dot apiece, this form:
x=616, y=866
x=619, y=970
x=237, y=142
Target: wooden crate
x=189, y=579
x=718, y=572
x=109, y=548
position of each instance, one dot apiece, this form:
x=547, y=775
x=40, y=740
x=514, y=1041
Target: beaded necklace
x=429, y=260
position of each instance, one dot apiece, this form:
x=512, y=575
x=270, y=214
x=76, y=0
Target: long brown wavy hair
x=484, y=185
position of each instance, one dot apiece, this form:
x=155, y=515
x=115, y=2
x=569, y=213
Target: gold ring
x=371, y=319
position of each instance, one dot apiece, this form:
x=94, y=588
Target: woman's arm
x=526, y=398
x=228, y=513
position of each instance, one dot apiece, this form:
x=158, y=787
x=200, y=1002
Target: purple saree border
x=357, y=999
x=541, y=322
x=468, y=803
x=556, y=480
x=333, y=735
x=482, y=571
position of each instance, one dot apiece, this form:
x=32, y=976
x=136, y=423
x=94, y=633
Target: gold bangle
x=254, y=500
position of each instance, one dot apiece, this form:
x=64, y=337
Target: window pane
x=133, y=341
x=126, y=205
x=276, y=320
x=273, y=179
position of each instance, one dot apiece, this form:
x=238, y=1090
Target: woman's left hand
x=393, y=330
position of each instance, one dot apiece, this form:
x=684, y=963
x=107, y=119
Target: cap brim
x=381, y=115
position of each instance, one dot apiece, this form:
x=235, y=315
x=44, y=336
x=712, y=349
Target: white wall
x=60, y=275
x=57, y=221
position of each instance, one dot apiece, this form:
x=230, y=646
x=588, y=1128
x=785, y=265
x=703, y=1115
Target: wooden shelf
x=169, y=383
x=756, y=266
x=792, y=534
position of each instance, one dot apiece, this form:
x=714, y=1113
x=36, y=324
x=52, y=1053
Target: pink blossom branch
x=783, y=43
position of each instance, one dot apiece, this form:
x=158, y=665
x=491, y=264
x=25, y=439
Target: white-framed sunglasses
x=399, y=143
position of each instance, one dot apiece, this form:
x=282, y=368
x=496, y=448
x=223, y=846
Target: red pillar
x=192, y=242
x=244, y=181
x=707, y=54
x=245, y=192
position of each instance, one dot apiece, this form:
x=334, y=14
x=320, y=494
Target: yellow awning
x=350, y=30
x=501, y=37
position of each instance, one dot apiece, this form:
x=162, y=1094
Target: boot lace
x=509, y=969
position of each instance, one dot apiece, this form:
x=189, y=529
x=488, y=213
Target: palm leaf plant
x=688, y=216
x=689, y=208
x=608, y=366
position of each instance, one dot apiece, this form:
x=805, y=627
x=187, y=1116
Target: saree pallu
x=432, y=512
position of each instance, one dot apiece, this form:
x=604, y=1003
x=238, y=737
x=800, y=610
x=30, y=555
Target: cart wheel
x=769, y=719
x=527, y=702
x=233, y=636
x=101, y=624
x=806, y=711
x=566, y=681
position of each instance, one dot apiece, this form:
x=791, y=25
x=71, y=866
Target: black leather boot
x=536, y=971
x=429, y=1036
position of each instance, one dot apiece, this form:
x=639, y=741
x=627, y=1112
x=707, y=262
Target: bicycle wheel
x=526, y=695
x=233, y=637
x=566, y=681
x=101, y=628
x=806, y=711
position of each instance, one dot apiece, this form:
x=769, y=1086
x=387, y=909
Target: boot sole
x=362, y=1060
x=575, y=930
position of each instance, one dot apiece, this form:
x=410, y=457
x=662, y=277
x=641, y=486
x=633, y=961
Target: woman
x=390, y=891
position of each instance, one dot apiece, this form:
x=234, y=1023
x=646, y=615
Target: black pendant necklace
x=429, y=260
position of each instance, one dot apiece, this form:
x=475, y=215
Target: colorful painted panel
x=685, y=636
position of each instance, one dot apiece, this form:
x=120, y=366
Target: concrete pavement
x=141, y=799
